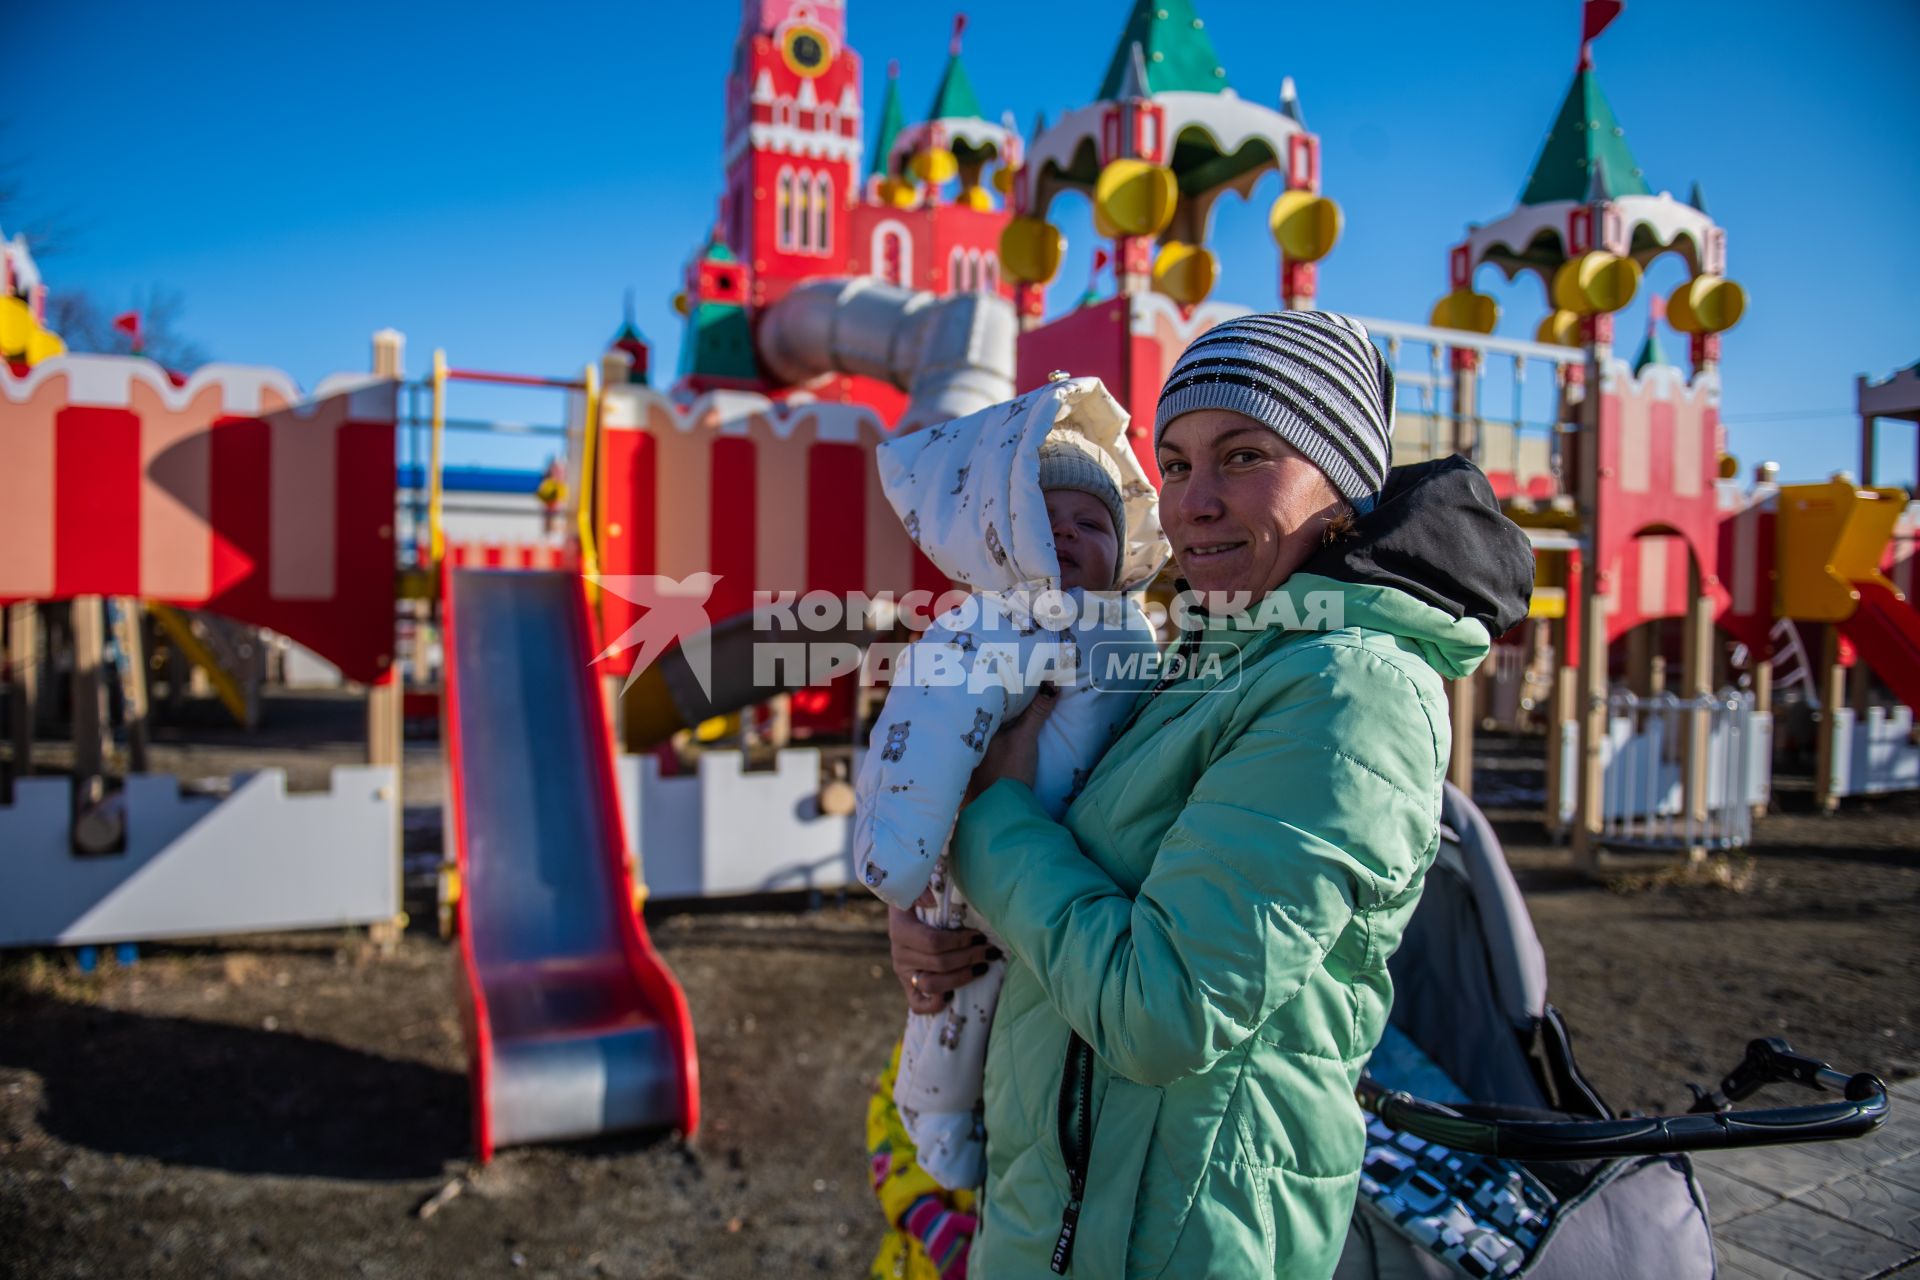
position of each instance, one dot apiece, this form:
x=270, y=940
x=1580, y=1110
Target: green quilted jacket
x=1213, y=917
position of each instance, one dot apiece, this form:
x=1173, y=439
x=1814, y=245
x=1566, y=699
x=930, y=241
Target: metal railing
x=423, y=468
x=1646, y=799
x=1512, y=422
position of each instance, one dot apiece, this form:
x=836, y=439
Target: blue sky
x=490, y=179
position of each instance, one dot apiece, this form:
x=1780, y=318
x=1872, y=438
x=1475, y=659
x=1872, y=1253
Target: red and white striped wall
x=231, y=493
x=771, y=496
x=1659, y=504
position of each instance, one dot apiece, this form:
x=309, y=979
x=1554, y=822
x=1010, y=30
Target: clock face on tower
x=807, y=50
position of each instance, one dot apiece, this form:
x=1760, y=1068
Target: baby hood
x=968, y=491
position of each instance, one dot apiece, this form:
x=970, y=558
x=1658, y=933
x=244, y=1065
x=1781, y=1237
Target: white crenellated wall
x=721, y=830
x=196, y=866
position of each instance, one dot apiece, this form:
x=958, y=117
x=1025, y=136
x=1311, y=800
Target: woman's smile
x=1242, y=507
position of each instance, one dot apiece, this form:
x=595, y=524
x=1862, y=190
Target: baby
x=1040, y=506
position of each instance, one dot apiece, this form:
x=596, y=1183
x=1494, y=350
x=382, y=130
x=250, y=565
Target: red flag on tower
x=959, y=25
x=1595, y=16
x=128, y=322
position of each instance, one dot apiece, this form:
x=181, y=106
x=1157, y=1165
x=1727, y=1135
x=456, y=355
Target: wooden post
x=1833, y=691
x=386, y=745
x=129, y=635
x=780, y=721
x=1561, y=700
x=1466, y=401
x=1461, y=698
x=1591, y=709
x=23, y=688
x=1762, y=659
x=1696, y=682
x=89, y=696
x=1460, y=709
x=386, y=722
x=615, y=706
x=1589, y=810
x=389, y=353
x=1640, y=655
x=1860, y=691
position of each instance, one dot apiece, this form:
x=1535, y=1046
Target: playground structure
x=828, y=306
x=229, y=493
x=574, y=1027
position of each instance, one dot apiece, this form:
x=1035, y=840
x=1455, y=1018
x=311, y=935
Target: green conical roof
x=1584, y=134
x=892, y=120
x=1174, y=43
x=1650, y=351
x=955, y=100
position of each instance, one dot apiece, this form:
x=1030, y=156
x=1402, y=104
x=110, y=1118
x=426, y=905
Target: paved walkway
x=1830, y=1211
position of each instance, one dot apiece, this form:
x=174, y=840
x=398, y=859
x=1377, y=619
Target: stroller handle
x=1712, y=1126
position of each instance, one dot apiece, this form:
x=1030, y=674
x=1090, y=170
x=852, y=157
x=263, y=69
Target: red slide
x=574, y=1024
x=1886, y=631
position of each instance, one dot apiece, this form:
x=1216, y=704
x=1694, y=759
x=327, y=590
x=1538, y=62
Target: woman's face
x=1242, y=507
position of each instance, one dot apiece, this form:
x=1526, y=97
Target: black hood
x=1436, y=533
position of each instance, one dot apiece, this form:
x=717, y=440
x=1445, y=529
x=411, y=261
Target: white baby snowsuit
x=969, y=494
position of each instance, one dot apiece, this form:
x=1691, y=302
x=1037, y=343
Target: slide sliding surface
x=1886, y=631
x=575, y=1027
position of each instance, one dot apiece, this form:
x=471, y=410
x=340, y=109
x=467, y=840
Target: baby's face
x=1083, y=534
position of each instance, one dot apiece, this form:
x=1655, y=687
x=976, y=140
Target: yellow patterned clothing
x=930, y=1226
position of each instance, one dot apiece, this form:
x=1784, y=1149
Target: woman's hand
x=931, y=963
x=1015, y=750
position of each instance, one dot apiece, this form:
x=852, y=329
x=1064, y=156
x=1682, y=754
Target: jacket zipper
x=1076, y=1141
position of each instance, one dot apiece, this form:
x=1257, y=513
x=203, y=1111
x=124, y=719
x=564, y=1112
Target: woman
x=1202, y=943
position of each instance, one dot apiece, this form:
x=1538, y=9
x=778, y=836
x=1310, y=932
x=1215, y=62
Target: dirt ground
x=283, y=1106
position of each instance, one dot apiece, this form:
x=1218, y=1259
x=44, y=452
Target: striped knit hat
x=1314, y=377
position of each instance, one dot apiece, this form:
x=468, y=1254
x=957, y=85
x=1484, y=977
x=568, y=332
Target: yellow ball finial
x=1305, y=226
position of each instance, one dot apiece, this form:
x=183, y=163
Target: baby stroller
x=1489, y=1155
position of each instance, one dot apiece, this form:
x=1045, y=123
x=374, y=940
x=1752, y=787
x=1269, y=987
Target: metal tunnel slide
x=574, y=1025
x=1886, y=631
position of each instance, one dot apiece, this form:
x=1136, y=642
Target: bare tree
x=85, y=325
x=48, y=232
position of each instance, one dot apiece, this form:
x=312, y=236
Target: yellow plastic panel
x=1185, y=272
x=1137, y=198
x=1826, y=538
x=1595, y=283
x=935, y=165
x=44, y=345
x=1465, y=309
x=1030, y=250
x=1306, y=226
x=1560, y=328
x=1706, y=304
x=16, y=325
x=1548, y=602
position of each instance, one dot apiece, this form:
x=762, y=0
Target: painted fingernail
x=947, y=998
x=979, y=969
x=994, y=953
x=979, y=940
